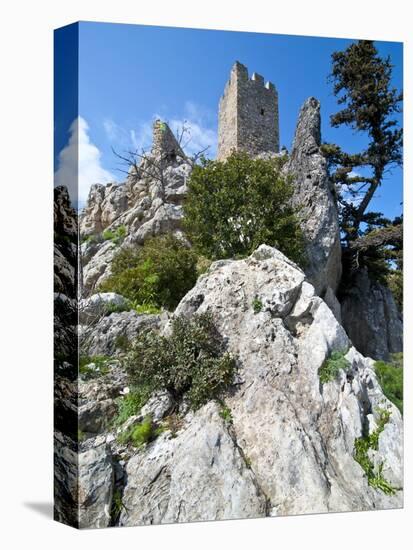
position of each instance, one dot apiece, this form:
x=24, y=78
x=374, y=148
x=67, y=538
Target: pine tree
x=362, y=84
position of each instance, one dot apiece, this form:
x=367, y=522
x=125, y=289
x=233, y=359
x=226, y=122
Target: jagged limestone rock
x=372, y=318
x=103, y=337
x=95, y=486
x=149, y=203
x=314, y=198
x=104, y=205
x=199, y=475
x=288, y=448
x=98, y=304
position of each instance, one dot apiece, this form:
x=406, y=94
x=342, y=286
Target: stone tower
x=164, y=143
x=248, y=115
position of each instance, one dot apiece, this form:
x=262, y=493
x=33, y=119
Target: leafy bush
x=390, y=377
x=121, y=342
x=156, y=275
x=93, y=366
x=130, y=404
x=225, y=413
x=362, y=445
x=140, y=434
x=116, y=236
x=115, y=308
x=257, y=305
x=232, y=207
x=191, y=362
x=332, y=365
x=145, y=308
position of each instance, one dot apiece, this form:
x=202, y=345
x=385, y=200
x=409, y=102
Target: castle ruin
x=248, y=115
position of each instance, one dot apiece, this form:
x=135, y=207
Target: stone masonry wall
x=248, y=115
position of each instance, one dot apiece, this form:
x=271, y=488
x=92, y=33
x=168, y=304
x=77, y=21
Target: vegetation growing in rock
x=131, y=404
x=225, y=413
x=116, y=236
x=115, y=308
x=332, y=365
x=117, y=506
x=257, y=305
x=390, y=377
x=93, y=366
x=362, y=445
x=232, y=207
x=191, y=362
x=156, y=275
x=140, y=434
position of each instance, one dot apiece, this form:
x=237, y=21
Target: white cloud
x=80, y=163
x=197, y=120
x=201, y=131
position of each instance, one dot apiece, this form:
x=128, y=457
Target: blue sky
x=130, y=74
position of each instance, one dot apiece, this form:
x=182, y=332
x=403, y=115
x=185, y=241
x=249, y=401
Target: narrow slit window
x=262, y=111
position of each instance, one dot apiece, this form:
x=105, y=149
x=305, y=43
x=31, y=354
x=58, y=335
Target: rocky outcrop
x=96, y=478
x=65, y=357
x=104, y=206
x=103, y=337
x=199, y=475
x=288, y=447
x=371, y=318
x=100, y=304
x=314, y=198
x=149, y=203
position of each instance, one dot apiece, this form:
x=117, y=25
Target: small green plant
x=190, y=362
x=225, y=413
x=362, y=445
x=156, y=275
x=248, y=462
x=115, y=308
x=332, y=365
x=130, y=404
x=117, y=236
x=141, y=434
x=117, y=506
x=121, y=342
x=81, y=436
x=146, y=309
x=257, y=305
x=93, y=366
x=92, y=239
x=390, y=377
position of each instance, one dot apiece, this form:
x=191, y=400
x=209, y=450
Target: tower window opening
x=262, y=111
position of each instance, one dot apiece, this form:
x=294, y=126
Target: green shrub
x=140, y=434
x=100, y=367
x=362, y=445
x=130, y=404
x=156, y=275
x=115, y=308
x=121, y=342
x=117, y=506
x=332, y=365
x=232, y=207
x=116, y=236
x=257, y=305
x=190, y=362
x=390, y=378
x=148, y=309
x=225, y=413
x=92, y=239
